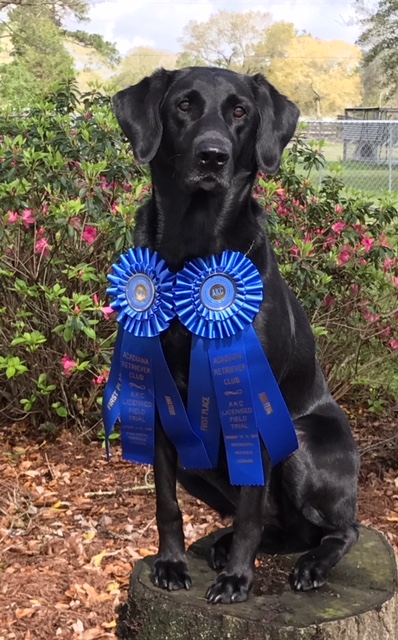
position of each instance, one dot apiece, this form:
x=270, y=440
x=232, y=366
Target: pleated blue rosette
x=232, y=388
x=139, y=379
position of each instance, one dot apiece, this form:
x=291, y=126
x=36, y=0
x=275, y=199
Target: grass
x=359, y=175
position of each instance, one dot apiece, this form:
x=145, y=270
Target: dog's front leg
x=235, y=581
x=170, y=569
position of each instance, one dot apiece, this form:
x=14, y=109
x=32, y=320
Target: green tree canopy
x=39, y=56
x=57, y=8
x=379, y=40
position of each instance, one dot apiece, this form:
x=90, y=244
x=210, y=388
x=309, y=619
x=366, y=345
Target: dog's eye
x=184, y=105
x=239, y=112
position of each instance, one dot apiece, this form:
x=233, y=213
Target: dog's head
x=207, y=123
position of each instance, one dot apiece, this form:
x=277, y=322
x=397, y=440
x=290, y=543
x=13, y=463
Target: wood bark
x=359, y=602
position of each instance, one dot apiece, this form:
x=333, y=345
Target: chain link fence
x=365, y=151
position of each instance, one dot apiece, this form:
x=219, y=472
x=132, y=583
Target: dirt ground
x=72, y=526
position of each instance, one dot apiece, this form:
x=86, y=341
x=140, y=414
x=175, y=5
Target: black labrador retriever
x=206, y=132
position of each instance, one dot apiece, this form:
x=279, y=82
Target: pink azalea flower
x=329, y=301
x=384, y=242
x=27, y=218
x=283, y=211
x=75, y=222
x=295, y=250
x=368, y=243
x=393, y=344
x=339, y=208
x=107, y=311
x=96, y=299
x=42, y=247
x=68, y=364
x=12, y=216
x=89, y=234
x=102, y=378
x=396, y=282
x=388, y=264
x=344, y=256
x=385, y=333
x=329, y=244
x=371, y=317
x=338, y=226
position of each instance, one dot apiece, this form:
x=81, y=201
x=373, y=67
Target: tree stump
x=359, y=602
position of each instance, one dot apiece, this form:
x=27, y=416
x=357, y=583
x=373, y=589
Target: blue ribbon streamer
x=272, y=415
x=110, y=400
x=233, y=390
x=137, y=399
x=202, y=401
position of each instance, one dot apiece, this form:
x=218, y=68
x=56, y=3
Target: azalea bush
x=338, y=251
x=68, y=193
x=69, y=190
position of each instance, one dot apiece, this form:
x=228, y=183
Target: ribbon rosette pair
x=232, y=389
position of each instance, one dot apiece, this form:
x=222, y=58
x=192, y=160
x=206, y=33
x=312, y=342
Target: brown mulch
x=72, y=526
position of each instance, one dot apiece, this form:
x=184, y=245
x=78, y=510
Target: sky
x=159, y=23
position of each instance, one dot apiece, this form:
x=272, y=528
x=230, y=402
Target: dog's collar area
x=250, y=248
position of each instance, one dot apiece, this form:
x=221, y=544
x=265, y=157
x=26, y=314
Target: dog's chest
x=176, y=342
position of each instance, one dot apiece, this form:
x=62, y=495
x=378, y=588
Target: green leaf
x=90, y=333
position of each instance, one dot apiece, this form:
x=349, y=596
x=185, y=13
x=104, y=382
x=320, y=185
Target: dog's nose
x=212, y=155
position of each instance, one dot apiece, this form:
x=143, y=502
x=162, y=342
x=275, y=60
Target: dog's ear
x=137, y=110
x=278, y=121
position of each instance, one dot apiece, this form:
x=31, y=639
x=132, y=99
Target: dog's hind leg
x=170, y=568
x=313, y=567
x=321, y=481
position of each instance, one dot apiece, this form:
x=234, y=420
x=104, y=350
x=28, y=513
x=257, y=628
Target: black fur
x=204, y=155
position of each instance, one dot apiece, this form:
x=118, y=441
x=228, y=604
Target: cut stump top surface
x=363, y=581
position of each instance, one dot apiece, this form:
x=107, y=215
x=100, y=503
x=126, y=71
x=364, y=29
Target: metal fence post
x=320, y=179
x=390, y=159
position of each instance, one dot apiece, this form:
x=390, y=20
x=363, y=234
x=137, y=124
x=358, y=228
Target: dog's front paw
x=310, y=572
x=171, y=575
x=229, y=588
x=220, y=551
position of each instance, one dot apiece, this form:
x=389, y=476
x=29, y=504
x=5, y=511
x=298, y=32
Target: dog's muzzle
x=210, y=166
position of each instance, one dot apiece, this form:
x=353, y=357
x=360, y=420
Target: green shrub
x=337, y=252
x=68, y=193
x=69, y=189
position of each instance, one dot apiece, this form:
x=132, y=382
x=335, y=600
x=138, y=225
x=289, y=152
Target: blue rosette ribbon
x=232, y=388
x=140, y=381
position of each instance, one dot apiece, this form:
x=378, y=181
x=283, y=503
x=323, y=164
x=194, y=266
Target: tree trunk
x=359, y=602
